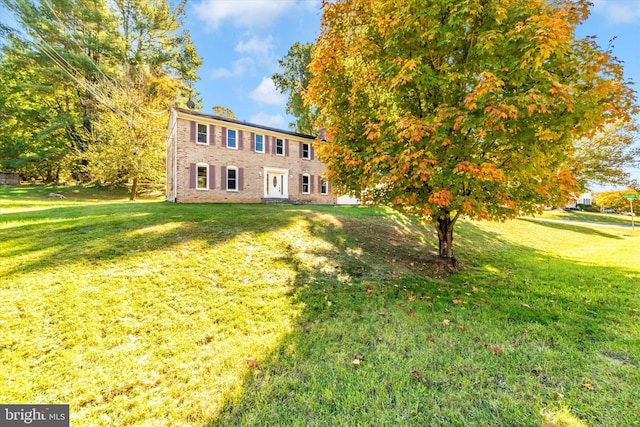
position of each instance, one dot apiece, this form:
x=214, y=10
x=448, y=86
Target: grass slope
x=149, y=313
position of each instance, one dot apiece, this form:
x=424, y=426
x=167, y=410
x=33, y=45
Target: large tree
x=606, y=156
x=66, y=56
x=466, y=107
x=293, y=81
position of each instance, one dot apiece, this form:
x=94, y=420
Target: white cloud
x=618, y=11
x=246, y=13
x=239, y=68
x=257, y=46
x=276, y=121
x=266, y=93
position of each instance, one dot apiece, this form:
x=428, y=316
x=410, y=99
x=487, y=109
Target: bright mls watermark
x=34, y=415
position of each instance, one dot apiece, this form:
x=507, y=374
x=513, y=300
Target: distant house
x=582, y=199
x=216, y=159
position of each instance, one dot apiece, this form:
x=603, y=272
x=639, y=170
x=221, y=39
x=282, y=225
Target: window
x=260, y=143
x=280, y=147
x=306, y=184
x=232, y=141
x=203, y=135
x=202, y=173
x=232, y=178
x=306, y=151
x=586, y=201
x=324, y=186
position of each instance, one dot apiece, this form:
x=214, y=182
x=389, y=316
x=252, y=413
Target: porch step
x=276, y=201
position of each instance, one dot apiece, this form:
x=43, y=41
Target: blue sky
x=240, y=42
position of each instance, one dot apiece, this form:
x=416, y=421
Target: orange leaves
x=441, y=198
x=485, y=171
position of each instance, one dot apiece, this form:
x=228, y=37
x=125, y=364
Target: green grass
x=592, y=217
x=150, y=313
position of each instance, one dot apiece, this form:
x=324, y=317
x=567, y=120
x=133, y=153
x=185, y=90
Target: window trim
x=324, y=187
x=235, y=139
x=206, y=133
x=308, y=179
x=308, y=155
x=206, y=180
x=255, y=142
x=237, y=178
x=283, y=147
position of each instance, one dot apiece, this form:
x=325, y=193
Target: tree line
x=85, y=88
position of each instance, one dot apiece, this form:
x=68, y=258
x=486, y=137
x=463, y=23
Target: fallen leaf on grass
x=587, y=386
x=474, y=289
x=430, y=338
x=526, y=305
x=446, y=310
x=497, y=350
x=369, y=291
x=357, y=359
x=412, y=298
x=457, y=301
x=415, y=373
x=446, y=322
x=410, y=313
x=557, y=394
x=251, y=362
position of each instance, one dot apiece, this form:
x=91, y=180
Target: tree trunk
x=134, y=189
x=445, y=239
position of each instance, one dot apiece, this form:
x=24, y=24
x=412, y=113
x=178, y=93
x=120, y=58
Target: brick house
x=216, y=159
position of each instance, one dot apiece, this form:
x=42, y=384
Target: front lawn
x=151, y=313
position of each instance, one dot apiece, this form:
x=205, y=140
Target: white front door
x=275, y=184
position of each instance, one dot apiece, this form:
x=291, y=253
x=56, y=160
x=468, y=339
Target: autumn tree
x=221, y=111
x=614, y=200
x=468, y=107
x=129, y=133
x=606, y=156
x=293, y=81
x=69, y=54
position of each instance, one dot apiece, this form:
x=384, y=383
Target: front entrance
x=276, y=183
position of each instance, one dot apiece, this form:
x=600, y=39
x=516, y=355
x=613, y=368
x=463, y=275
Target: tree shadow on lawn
x=575, y=228
x=109, y=231
x=400, y=343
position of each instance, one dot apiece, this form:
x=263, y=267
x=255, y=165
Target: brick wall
x=252, y=166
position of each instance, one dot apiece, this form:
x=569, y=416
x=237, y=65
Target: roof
x=185, y=111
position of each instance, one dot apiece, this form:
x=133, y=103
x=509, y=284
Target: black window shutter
x=194, y=127
x=192, y=175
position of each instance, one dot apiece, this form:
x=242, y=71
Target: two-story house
x=217, y=159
